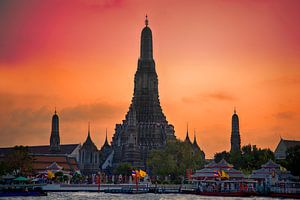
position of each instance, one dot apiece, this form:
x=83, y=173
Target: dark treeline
x=18, y=162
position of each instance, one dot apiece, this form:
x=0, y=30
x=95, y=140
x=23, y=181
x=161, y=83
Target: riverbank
x=157, y=189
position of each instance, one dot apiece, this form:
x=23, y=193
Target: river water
x=105, y=196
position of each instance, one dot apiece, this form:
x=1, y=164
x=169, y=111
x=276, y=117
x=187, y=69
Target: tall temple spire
x=145, y=122
x=235, y=139
x=54, y=138
x=146, y=42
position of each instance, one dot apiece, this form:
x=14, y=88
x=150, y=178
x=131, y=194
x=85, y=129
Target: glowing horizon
x=81, y=57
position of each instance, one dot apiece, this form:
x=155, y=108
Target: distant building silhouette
x=283, y=146
x=235, y=139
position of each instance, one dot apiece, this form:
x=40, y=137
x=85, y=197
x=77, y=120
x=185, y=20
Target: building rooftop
x=44, y=149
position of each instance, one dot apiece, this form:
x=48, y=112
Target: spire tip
x=146, y=20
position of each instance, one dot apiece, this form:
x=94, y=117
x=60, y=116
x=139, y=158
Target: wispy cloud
x=284, y=80
x=94, y=111
x=286, y=115
x=24, y=119
x=214, y=96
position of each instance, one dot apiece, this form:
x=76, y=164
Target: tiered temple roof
x=42, y=163
x=271, y=169
x=209, y=171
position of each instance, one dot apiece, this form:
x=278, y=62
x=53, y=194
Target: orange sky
x=81, y=56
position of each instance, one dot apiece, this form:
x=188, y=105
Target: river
x=105, y=196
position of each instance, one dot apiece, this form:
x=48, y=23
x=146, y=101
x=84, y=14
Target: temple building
x=271, y=173
x=193, y=144
x=65, y=155
x=283, y=146
x=89, y=161
x=209, y=171
x=145, y=126
x=235, y=139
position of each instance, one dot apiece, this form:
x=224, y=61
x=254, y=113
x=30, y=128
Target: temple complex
x=65, y=155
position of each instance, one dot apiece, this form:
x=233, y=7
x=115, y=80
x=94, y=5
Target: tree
x=250, y=158
x=222, y=155
x=19, y=161
x=293, y=160
x=3, y=168
x=174, y=160
x=124, y=168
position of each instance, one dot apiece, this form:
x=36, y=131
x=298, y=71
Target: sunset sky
x=80, y=56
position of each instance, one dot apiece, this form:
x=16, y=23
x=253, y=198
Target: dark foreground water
x=104, y=196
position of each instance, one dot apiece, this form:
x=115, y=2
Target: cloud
x=284, y=80
x=285, y=115
x=24, y=124
x=26, y=118
x=215, y=96
x=94, y=111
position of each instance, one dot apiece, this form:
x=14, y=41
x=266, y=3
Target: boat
x=228, y=188
x=14, y=190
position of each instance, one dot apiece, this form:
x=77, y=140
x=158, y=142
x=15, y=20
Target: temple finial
x=89, y=129
x=106, y=134
x=234, y=110
x=146, y=20
x=187, y=127
x=55, y=110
